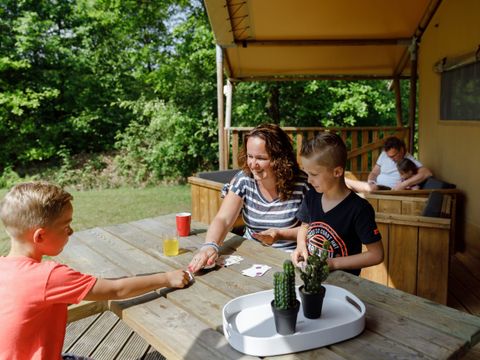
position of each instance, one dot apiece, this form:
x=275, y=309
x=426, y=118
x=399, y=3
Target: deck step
x=105, y=337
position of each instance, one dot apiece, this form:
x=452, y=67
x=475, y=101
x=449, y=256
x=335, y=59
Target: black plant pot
x=312, y=303
x=285, y=320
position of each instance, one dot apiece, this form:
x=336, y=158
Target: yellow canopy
x=287, y=39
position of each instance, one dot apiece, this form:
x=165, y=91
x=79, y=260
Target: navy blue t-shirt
x=346, y=226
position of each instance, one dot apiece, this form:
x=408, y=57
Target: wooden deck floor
x=105, y=336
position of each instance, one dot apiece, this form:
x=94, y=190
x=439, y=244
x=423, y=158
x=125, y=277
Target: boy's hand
x=177, y=278
x=299, y=255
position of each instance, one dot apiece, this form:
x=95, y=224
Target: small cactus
x=284, y=287
x=316, y=271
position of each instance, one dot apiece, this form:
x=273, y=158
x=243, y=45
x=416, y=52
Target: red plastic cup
x=183, y=223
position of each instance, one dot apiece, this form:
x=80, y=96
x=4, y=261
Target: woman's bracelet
x=213, y=245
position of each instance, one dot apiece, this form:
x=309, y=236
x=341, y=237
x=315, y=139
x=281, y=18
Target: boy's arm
x=373, y=256
x=113, y=289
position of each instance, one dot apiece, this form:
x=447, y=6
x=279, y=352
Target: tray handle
x=227, y=331
x=354, y=303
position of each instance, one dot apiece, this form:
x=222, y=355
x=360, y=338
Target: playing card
x=256, y=270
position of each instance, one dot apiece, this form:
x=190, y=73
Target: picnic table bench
x=187, y=323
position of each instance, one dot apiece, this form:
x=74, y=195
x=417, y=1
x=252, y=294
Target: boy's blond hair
x=328, y=149
x=30, y=205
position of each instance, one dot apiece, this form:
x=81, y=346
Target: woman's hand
x=267, y=237
x=299, y=255
x=205, y=257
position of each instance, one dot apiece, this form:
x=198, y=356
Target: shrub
x=164, y=143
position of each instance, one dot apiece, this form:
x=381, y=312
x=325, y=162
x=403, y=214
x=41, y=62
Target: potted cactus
x=312, y=292
x=285, y=305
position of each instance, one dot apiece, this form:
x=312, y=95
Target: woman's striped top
x=260, y=214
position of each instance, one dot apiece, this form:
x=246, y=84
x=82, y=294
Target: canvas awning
x=265, y=39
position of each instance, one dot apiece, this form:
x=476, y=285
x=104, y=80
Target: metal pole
x=220, y=113
x=228, y=120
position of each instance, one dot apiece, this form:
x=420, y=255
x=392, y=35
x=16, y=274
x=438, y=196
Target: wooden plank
x=402, y=258
x=444, y=319
x=136, y=345
x=433, y=260
x=85, y=309
x=79, y=256
x=379, y=273
x=204, y=214
x=370, y=345
x=122, y=254
x=427, y=341
x=364, y=157
x=196, y=209
x=412, y=220
x=94, y=335
x=353, y=159
x=151, y=354
x=76, y=329
x=466, y=285
x=183, y=336
x=299, y=146
x=113, y=342
x=373, y=202
x=213, y=200
x=470, y=262
x=235, y=149
x=413, y=206
x=389, y=206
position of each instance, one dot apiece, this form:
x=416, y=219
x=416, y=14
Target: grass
x=115, y=206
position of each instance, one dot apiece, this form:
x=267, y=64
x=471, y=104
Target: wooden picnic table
x=187, y=323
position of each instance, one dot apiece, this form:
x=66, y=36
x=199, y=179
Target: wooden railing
x=364, y=144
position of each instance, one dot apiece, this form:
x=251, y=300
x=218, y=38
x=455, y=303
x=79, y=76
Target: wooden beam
x=325, y=42
x=398, y=100
x=313, y=77
x=413, y=97
x=85, y=309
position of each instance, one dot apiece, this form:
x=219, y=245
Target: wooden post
x=220, y=113
x=413, y=94
x=398, y=100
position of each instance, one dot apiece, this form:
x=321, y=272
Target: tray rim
x=285, y=344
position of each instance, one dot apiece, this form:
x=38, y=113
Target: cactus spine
x=284, y=287
x=316, y=271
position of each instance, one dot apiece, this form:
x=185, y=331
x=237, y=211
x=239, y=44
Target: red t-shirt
x=33, y=306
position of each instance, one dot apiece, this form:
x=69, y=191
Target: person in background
x=331, y=211
x=34, y=294
x=268, y=191
x=385, y=175
x=407, y=169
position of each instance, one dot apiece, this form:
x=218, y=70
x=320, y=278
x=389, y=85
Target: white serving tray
x=249, y=327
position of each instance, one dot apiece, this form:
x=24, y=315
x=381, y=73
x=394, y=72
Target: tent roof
x=287, y=39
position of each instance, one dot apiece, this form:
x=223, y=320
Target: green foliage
x=164, y=143
x=9, y=178
x=90, y=76
x=316, y=271
x=284, y=287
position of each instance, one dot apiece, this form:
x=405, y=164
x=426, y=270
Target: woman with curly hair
x=268, y=190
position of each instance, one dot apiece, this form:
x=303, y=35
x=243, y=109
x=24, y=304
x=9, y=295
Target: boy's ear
x=338, y=171
x=39, y=235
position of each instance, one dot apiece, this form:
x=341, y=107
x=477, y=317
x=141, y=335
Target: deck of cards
x=256, y=270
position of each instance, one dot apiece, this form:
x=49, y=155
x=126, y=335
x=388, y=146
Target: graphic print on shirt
x=317, y=233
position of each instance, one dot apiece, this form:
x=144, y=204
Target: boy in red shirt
x=34, y=295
